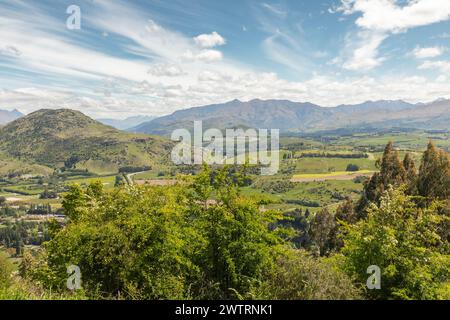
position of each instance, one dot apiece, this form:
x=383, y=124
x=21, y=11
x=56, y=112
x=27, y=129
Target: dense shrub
x=352, y=167
x=298, y=276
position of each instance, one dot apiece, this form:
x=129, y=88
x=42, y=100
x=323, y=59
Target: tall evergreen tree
x=411, y=174
x=434, y=174
x=392, y=172
x=322, y=227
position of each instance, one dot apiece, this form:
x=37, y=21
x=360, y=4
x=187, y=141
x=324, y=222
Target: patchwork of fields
x=317, y=167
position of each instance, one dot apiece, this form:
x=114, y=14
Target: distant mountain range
x=291, y=116
x=47, y=139
x=53, y=138
x=126, y=123
x=8, y=116
x=287, y=116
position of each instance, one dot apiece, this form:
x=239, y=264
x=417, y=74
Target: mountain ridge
x=289, y=116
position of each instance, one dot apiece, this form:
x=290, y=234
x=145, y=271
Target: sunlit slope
x=55, y=137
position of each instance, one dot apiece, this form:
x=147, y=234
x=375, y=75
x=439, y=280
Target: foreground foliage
x=405, y=242
x=199, y=239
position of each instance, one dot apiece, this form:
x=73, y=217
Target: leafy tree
x=119, y=181
x=345, y=214
x=403, y=240
x=322, y=227
x=48, y=194
x=299, y=276
x=352, y=167
x=239, y=244
x=298, y=222
x=198, y=239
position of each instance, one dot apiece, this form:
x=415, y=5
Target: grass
x=107, y=181
x=29, y=189
x=329, y=165
x=322, y=192
x=12, y=262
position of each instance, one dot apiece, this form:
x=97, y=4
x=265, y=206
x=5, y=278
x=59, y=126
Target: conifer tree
x=392, y=173
x=411, y=174
x=434, y=174
x=322, y=227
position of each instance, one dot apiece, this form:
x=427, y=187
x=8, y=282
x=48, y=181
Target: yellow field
x=339, y=175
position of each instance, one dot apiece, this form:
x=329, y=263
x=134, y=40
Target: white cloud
x=209, y=40
x=212, y=76
x=154, y=98
x=203, y=55
x=157, y=82
x=166, y=70
x=379, y=19
x=388, y=16
x=365, y=56
x=430, y=52
x=443, y=66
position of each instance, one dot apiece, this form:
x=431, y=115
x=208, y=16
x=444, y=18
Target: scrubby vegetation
x=171, y=243
x=203, y=239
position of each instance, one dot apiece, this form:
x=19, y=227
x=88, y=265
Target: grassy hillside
x=56, y=138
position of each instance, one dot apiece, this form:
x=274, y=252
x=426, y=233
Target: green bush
x=298, y=276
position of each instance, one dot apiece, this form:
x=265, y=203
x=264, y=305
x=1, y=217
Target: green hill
x=64, y=137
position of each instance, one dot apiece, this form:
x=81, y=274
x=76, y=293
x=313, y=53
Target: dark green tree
x=434, y=174
x=411, y=174
x=322, y=227
x=392, y=173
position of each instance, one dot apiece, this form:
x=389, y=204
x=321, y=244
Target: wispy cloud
x=429, y=52
x=380, y=19
x=443, y=66
x=286, y=41
x=126, y=61
x=275, y=9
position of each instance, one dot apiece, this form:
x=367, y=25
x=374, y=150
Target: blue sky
x=154, y=57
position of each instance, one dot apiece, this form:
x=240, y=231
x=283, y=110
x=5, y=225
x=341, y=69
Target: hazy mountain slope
x=295, y=117
x=51, y=137
x=8, y=116
x=290, y=116
x=127, y=123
